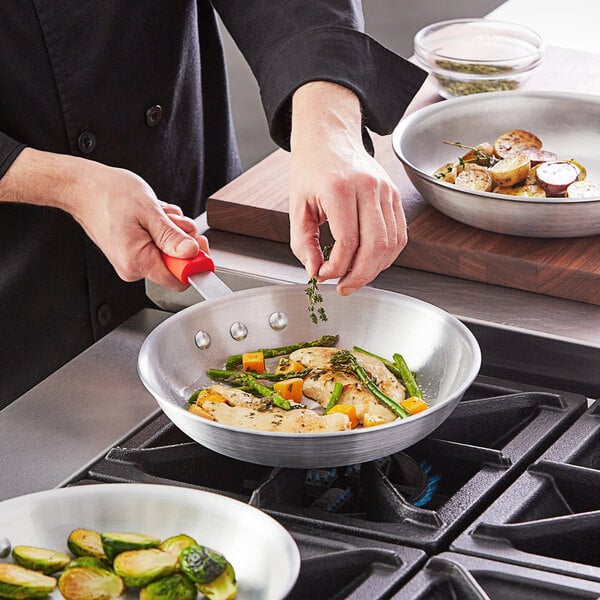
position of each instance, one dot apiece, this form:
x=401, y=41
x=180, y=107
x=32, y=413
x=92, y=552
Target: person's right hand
x=117, y=209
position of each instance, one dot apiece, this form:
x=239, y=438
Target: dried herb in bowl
x=457, y=87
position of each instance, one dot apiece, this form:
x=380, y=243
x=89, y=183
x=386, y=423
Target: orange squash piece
x=209, y=396
x=413, y=405
x=253, y=361
x=290, y=389
x=348, y=410
x=287, y=365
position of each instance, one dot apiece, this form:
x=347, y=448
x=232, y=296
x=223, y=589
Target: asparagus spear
x=392, y=368
x=338, y=388
x=409, y=380
x=400, y=369
x=326, y=340
x=346, y=361
x=223, y=374
x=251, y=382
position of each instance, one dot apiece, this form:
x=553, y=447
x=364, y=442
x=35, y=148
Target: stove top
x=392, y=527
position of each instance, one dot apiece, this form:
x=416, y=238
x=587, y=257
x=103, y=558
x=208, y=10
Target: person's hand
x=122, y=215
x=334, y=179
x=118, y=210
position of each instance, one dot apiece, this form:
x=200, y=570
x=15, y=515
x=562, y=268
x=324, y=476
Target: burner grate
x=451, y=575
x=550, y=516
x=495, y=432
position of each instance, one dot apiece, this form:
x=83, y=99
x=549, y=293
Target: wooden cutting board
x=256, y=204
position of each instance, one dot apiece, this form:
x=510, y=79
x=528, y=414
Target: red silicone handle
x=182, y=268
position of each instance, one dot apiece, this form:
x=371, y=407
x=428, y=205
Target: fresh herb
x=480, y=156
x=316, y=312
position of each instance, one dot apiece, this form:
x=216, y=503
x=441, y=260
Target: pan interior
x=435, y=345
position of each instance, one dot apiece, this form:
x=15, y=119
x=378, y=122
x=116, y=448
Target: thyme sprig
x=317, y=313
x=479, y=156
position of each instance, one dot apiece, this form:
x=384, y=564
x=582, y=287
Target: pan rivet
x=278, y=321
x=202, y=340
x=238, y=331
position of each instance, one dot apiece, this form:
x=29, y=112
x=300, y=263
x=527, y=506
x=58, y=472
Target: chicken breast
x=318, y=385
x=299, y=420
x=237, y=397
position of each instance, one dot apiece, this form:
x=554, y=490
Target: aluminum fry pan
x=175, y=356
x=251, y=540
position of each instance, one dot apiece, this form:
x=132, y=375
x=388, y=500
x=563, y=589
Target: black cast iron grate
x=496, y=431
x=550, y=516
x=456, y=576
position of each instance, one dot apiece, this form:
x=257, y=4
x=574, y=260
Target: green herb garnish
x=480, y=156
x=316, y=312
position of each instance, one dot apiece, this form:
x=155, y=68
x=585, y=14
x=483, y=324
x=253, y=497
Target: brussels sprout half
x=19, y=583
x=89, y=583
x=176, y=543
x=90, y=561
x=224, y=587
x=40, y=559
x=115, y=543
x=202, y=564
x=85, y=542
x=172, y=587
x=138, y=568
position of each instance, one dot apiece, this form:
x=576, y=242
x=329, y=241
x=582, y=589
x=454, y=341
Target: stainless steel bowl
x=251, y=540
x=568, y=124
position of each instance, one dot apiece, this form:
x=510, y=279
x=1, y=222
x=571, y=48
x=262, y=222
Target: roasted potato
x=475, y=179
x=479, y=154
x=556, y=176
x=583, y=189
x=447, y=173
x=529, y=191
x=510, y=170
x=516, y=165
x=512, y=141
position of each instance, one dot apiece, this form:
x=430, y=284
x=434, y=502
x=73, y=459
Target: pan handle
x=183, y=268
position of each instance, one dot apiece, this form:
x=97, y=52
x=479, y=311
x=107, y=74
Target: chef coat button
x=86, y=142
x=154, y=115
x=104, y=314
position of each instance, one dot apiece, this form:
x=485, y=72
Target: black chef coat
x=141, y=84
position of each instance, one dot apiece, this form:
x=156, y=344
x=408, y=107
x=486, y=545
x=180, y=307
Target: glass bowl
x=470, y=56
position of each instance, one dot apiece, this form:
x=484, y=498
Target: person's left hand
x=334, y=179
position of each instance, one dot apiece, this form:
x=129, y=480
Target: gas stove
x=458, y=502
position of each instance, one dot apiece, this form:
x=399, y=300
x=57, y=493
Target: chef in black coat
x=115, y=127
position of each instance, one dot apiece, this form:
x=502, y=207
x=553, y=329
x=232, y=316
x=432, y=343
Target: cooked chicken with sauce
x=318, y=385
x=357, y=391
x=299, y=420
